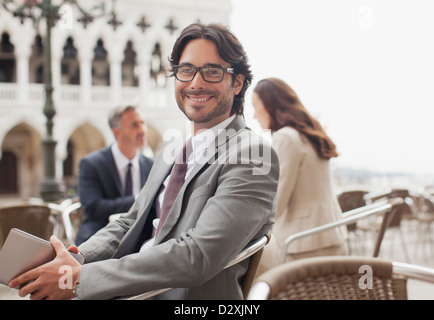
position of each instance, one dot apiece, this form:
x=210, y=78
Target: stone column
x=144, y=62
x=23, y=48
x=115, y=58
x=85, y=55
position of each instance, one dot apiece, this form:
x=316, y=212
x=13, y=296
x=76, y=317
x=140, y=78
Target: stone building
x=118, y=58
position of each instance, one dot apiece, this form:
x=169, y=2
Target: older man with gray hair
x=109, y=179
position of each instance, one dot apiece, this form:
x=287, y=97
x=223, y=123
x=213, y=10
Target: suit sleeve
x=236, y=207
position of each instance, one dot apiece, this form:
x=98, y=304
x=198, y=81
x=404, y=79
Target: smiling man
x=206, y=100
x=221, y=205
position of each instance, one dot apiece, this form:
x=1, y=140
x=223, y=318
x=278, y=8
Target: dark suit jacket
x=100, y=190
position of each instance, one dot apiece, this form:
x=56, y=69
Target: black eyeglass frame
x=196, y=69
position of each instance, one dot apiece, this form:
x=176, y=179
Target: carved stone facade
x=95, y=68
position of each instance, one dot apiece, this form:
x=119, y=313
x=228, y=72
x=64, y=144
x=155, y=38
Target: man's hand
x=43, y=282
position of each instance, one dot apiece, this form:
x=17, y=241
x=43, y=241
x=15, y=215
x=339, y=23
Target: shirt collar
x=121, y=160
x=202, y=140
x=205, y=137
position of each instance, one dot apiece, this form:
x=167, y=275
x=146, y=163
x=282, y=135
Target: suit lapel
x=144, y=206
x=110, y=162
x=144, y=170
x=158, y=174
x=220, y=142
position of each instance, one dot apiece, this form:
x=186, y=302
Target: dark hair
x=229, y=48
x=285, y=109
x=115, y=115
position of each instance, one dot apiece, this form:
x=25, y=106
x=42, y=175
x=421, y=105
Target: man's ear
x=116, y=132
x=239, y=82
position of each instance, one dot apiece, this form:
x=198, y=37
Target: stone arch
x=100, y=64
x=36, y=60
x=157, y=66
x=24, y=142
x=9, y=173
x=8, y=65
x=129, y=64
x=83, y=140
x=70, y=67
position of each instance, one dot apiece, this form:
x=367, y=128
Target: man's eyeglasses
x=211, y=73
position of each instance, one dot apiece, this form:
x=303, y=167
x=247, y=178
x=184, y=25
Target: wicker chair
x=72, y=217
x=34, y=219
x=349, y=200
x=386, y=207
x=425, y=218
x=338, y=278
x=395, y=219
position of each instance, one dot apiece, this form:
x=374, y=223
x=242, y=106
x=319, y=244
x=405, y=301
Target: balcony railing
x=101, y=94
x=9, y=92
x=65, y=95
x=70, y=93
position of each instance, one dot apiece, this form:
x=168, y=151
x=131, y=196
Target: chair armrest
x=248, y=251
x=347, y=218
x=69, y=229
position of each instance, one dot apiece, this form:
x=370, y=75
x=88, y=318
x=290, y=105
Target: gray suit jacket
x=225, y=203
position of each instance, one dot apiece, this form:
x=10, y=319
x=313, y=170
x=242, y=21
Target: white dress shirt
x=200, y=142
x=122, y=165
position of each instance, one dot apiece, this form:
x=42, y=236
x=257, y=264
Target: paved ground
x=410, y=243
x=413, y=239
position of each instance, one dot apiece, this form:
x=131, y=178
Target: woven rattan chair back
x=335, y=278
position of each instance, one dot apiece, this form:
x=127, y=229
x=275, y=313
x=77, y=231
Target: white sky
x=364, y=69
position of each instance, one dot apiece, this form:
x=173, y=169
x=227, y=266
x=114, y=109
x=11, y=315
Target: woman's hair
x=229, y=48
x=285, y=109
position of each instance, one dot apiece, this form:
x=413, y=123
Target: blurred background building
x=119, y=58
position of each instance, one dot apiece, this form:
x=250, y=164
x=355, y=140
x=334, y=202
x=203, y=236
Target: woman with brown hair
x=305, y=197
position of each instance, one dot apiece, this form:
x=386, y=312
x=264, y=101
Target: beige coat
x=305, y=198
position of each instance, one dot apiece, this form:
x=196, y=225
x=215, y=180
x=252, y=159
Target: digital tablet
x=23, y=251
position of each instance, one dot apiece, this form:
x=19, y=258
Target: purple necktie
x=176, y=180
x=129, y=182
